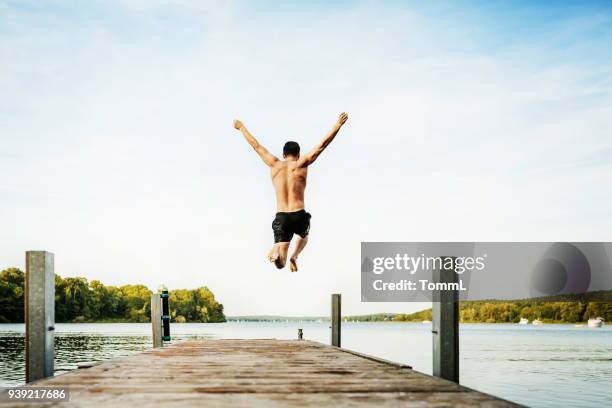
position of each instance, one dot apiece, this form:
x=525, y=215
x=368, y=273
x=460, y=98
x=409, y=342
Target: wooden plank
x=279, y=400
x=259, y=373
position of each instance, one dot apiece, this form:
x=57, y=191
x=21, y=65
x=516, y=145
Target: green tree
x=77, y=300
x=11, y=295
x=136, y=303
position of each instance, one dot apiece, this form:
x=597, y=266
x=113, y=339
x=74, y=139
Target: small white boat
x=426, y=321
x=596, y=322
x=524, y=321
x=537, y=322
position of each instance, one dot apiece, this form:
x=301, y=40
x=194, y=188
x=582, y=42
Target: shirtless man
x=289, y=179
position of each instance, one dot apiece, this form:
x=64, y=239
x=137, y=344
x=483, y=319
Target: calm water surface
x=539, y=366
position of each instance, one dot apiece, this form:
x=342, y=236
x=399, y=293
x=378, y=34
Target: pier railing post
x=445, y=327
x=165, y=297
x=156, y=321
x=336, y=316
x=39, y=315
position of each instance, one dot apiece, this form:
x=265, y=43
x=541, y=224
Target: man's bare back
x=289, y=183
x=289, y=180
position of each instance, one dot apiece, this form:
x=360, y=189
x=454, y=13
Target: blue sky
x=468, y=121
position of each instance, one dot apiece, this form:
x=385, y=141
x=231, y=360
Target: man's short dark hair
x=291, y=149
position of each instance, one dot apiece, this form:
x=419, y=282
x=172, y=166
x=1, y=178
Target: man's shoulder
x=279, y=164
x=294, y=165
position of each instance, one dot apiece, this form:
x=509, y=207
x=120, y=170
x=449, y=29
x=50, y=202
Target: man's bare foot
x=273, y=254
x=293, y=264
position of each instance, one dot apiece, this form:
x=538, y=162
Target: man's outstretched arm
x=265, y=155
x=309, y=158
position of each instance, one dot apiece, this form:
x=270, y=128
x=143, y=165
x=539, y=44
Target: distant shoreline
x=583, y=324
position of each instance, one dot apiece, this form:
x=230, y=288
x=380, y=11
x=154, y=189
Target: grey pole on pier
x=445, y=327
x=336, y=316
x=156, y=320
x=39, y=304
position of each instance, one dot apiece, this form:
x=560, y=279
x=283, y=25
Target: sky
x=468, y=121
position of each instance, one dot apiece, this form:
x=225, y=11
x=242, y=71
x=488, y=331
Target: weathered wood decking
x=263, y=373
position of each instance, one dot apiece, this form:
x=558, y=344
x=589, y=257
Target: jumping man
x=289, y=180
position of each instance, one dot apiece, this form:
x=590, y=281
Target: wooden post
x=445, y=328
x=336, y=317
x=156, y=321
x=39, y=314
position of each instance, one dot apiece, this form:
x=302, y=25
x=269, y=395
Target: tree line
x=77, y=300
x=513, y=311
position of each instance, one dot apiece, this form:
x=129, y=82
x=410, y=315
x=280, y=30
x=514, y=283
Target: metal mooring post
x=39, y=315
x=445, y=326
x=336, y=317
x=165, y=315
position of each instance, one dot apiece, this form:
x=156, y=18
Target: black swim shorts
x=286, y=224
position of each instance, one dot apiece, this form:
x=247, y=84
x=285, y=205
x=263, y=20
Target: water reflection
x=70, y=350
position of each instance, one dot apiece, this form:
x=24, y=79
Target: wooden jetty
x=242, y=373
x=257, y=373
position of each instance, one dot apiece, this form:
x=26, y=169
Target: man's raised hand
x=265, y=155
x=342, y=119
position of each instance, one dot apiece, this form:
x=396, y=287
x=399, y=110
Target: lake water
x=539, y=366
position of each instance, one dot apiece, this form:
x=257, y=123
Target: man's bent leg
x=282, y=238
x=273, y=254
x=281, y=259
x=299, y=246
